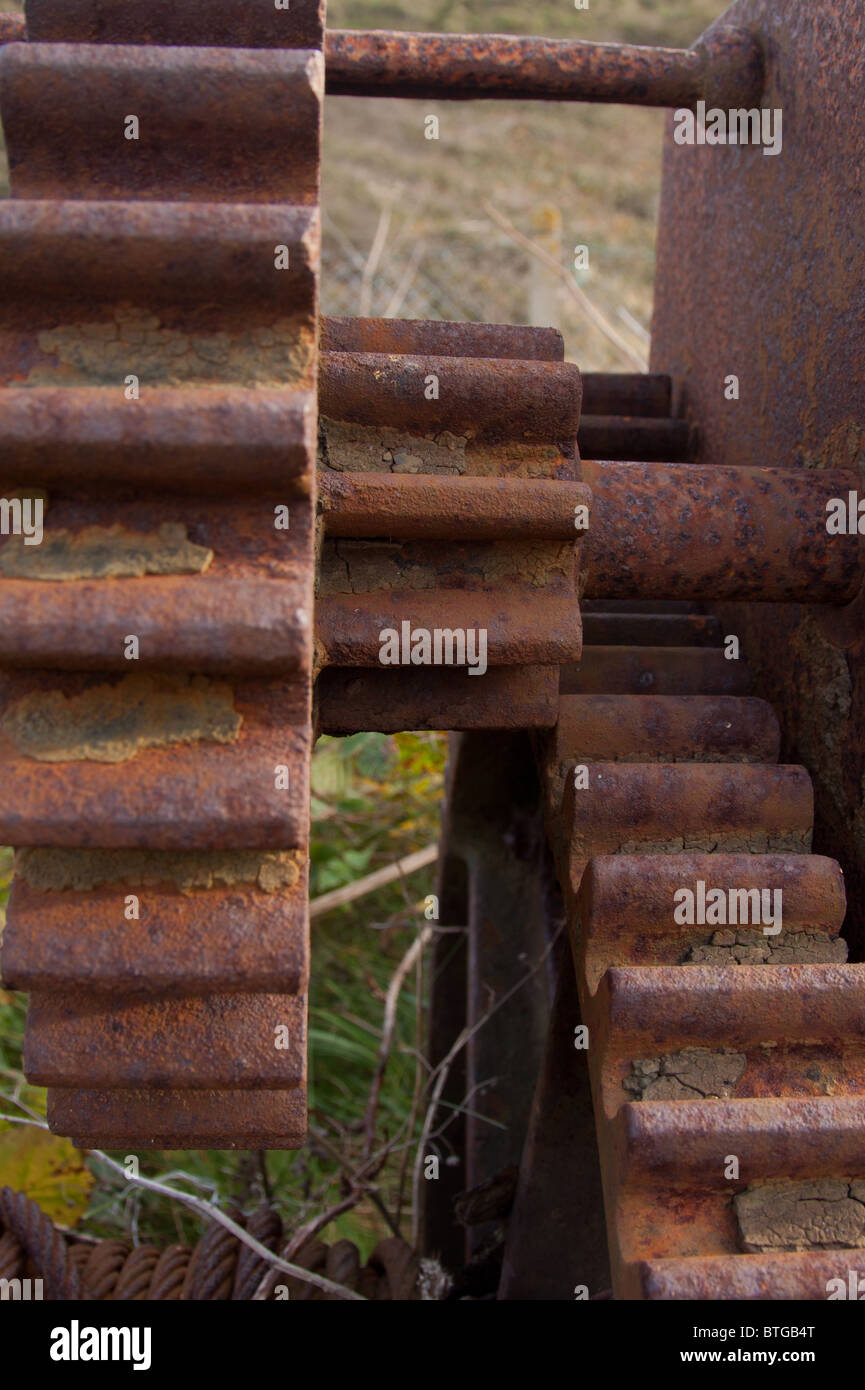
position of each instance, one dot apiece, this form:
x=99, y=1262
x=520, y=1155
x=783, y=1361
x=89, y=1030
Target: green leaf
x=48, y=1169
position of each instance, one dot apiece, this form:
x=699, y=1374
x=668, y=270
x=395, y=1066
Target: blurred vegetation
x=375, y=799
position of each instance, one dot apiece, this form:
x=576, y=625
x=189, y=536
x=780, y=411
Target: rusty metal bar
x=820, y=1136
x=195, y=942
x=626, y=911
x=251, y=627
x=60, y=252
x=680, y=531
x=440, y=338
x=352, y=701
x=647, y=395
x=792, y=1276
x=75, y=1038
x=667, y=807
x=647, y=439
x=655, y=671
x=429, y=506
x=480, y=397
x=461, y=67
x=223, y=23
x=671, y=728
x=648, y=1006
x=651, y=630
x=174, y=439
x=165, y=1119
x=214, y=124
x=522, y=629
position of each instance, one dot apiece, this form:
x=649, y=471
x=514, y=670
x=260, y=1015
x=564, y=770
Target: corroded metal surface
x=414, y=506
x=677, y=531
x=802, y=341
x=159, y=327
x=465, y=66
x=710, y=1038
x=491, y=399
x=448, y=504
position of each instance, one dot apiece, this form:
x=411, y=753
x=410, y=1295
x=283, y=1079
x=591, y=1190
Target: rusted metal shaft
x=646, y=395
x=444, y=338
x=726, y=66
x=416, y=506
x=459, y=67
x=483, y=397
x=682, y=531
x=629, y=437
x=352, y=701
x=539, y=629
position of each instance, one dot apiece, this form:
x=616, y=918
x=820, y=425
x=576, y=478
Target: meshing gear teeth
x=240, y=499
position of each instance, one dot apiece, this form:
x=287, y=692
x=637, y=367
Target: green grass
x=375, y=799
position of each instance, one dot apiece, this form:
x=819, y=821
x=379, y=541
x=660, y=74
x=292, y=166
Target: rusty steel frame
x=455, y=509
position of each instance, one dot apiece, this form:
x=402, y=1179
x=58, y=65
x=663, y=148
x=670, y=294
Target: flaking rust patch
x=72, y=870
x=360, y=566
x=348, y=448
x=741, y=946
x=105, y=552
x=828, y=1214
x=695, y=1071
x=98, y=354
x=111, y=723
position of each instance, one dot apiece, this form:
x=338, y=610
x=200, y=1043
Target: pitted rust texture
x=724, y=65
x=111, y=723
x=668, y=728
x=180, y=441
x=158, y=338
x=827, y=1215
x=228, y=936
x=798, y=335
x=441, y=338
x=678, y=531
x=224, y=24
x=184, y=1119
x=489, y=399
x=352, y=700
x=214, y=125
x=767, y=1030
x=658, y=808
x=104, y=553
x=484, y=463
x=80, y=871
x=83, y=1039
x=417, y=507
x=522, y=628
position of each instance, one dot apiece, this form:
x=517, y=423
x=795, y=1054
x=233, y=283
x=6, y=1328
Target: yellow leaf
x=50, y=1170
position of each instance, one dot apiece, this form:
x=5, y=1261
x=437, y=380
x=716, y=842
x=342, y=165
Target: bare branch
x=579, y=296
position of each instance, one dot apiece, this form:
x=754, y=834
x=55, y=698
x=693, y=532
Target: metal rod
x=459, y=67
x=420, y=506
x=725, y=68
